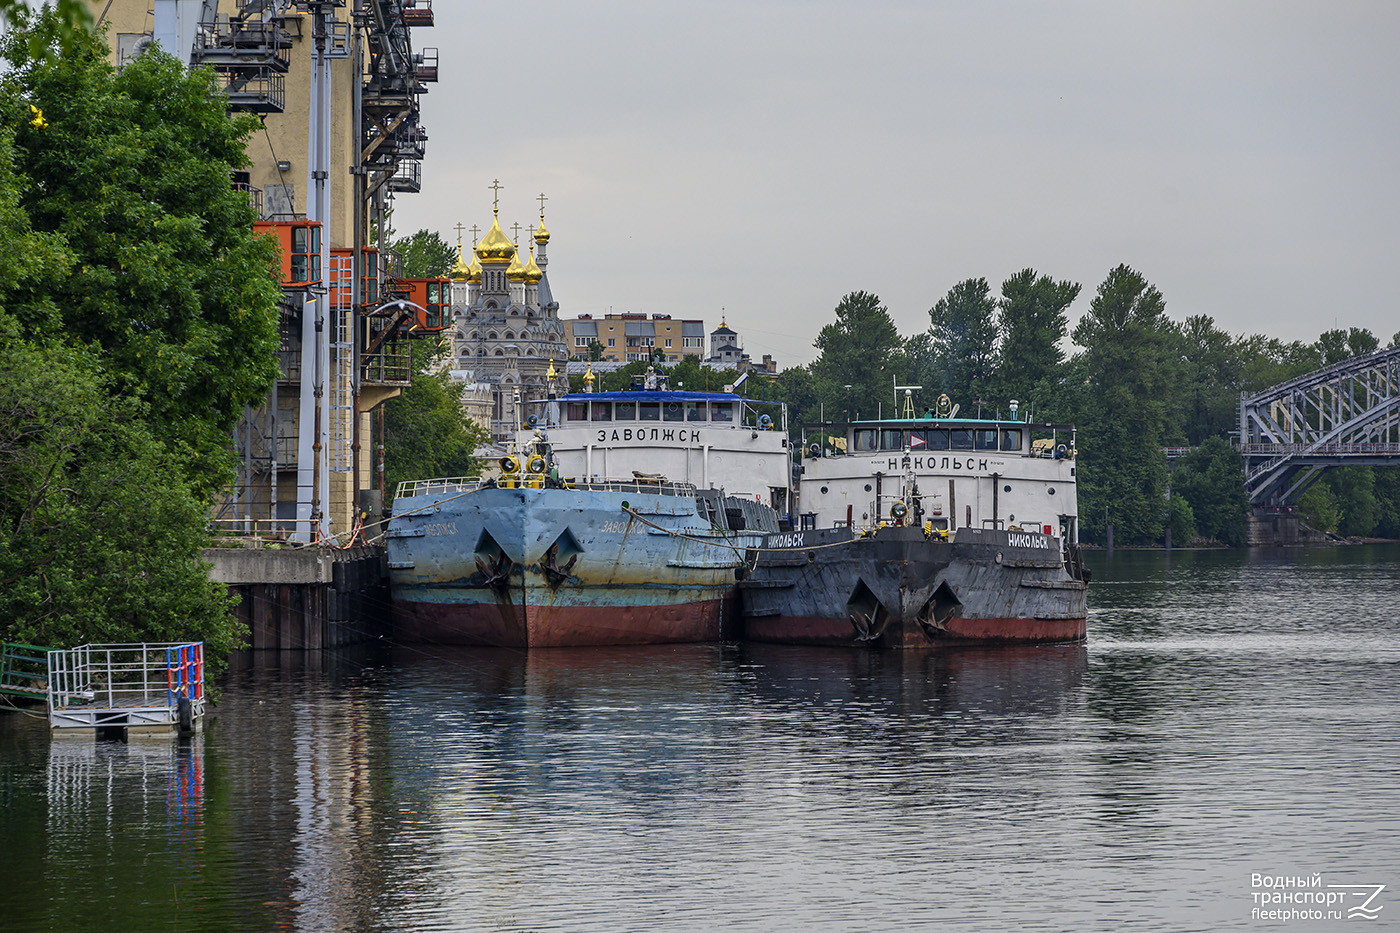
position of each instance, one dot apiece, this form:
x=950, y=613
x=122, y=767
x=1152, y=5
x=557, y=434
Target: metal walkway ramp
x=24, y=671
x=146, y=687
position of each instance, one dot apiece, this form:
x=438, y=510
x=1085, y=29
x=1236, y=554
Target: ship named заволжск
x=623, y=519
x=927, y=530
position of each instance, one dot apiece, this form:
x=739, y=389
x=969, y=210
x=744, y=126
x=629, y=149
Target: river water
x=1234, y=714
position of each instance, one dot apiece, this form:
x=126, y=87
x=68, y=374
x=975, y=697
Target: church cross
x=496, y=186
x=475, y=231
x=459, y=228
x=530, y=230
x=516, y=227
x=541, y=199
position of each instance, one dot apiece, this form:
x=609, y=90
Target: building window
x=581, y=341
x=612, y=342
x=689, y=342
x=668, y=343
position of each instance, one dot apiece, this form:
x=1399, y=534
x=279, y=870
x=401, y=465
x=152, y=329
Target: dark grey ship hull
x=898, y=589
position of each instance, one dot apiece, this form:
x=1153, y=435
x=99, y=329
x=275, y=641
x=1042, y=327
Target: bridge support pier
x=1272, y=527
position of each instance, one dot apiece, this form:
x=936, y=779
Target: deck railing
x=134, y=684
x=432, y=487
x=24, y=670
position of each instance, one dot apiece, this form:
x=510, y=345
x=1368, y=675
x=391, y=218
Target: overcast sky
x=767, y=158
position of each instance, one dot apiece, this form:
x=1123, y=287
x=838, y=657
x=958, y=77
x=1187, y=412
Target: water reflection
x=1231, y=713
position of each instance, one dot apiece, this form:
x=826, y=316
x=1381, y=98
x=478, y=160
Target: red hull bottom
x=796, y=630
x=513, y=626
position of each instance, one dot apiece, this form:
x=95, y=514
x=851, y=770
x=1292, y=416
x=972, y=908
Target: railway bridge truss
x=1347, y=414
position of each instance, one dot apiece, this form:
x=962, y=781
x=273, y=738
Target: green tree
x=1335, y=346
x=1211, y=479
x=1181, y=519
x=426, y=431
x=1268, y=361
x=1032, y=320
x=962, y=334
x=131, y=171
x=99, y=531
x=1319, y=508
x=424, y=255
x=1387, y=486
x=1354, y=490
x=1210, y=379
x=1128, y=366
x=861, y=348
x=595, y=350
x=73, y=23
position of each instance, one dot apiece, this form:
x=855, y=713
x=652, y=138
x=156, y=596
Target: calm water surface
x=1232, y=714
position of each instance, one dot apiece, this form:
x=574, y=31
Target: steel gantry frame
x=342, y=347
x=1346, y=414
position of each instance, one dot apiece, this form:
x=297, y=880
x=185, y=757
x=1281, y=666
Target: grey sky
x=769, y=157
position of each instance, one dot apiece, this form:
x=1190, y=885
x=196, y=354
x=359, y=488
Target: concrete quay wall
x=305, y=598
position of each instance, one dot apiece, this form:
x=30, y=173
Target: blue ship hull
x=553, y=567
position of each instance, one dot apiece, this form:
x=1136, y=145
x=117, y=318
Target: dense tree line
x=1133, y=382
x=138, y=316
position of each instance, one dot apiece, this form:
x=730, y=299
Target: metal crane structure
x=344, y=352
x=1343, y=415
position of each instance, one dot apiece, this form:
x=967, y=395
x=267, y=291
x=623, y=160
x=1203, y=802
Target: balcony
x=392, y=365
x=418, y=12
x=254, y=90
x=408, y=177
x=425, y=65
x=233, y=44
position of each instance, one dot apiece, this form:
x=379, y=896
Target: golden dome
x=541, y=234
x=474, y=271
x=495, y=246
x=533, y=273
x=515, y=272
x=459, y=271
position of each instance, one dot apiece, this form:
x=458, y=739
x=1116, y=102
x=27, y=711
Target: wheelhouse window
x=891, y=440
x=672, y=411
x=1011, y=439
x=936, y=439
x=602, y=411
x=648, y=411
x=985, y=438
x=722, y=411
x=577, y=411
x=960, y=438
x=625, y=411
x=694, y=411
x=867, y=439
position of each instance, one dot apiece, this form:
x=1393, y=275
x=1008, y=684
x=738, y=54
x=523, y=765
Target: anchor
x=550, y=566
x=869, y=627
x=496, y=571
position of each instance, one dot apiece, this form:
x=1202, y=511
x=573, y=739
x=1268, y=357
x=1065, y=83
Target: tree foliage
x=1032, y=317
x=1122, y=416
x=1211, y=479
x=99, y=531
x=962, y=338
x=861, y=349
x=424, y=255
x=131, y=171
x=426, y=431
x=138, y=314
x=1138, y=381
